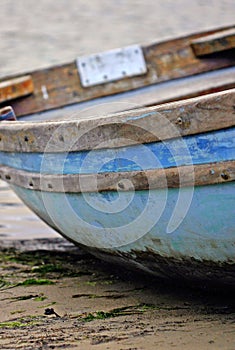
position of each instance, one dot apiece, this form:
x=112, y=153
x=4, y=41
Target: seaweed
x=123, y=311
x=35, y=282
x=25, y=297
x=4, y=283
x=21, y=322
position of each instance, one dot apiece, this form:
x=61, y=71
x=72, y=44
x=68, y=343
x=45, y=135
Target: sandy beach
x=53, y=295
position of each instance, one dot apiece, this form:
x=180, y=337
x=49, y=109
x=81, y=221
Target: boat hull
x=153, y=188
x=199, y=244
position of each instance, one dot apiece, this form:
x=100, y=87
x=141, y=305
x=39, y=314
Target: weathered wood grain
x=221, y=41
x=59, y=86
x=193, y=116
x=15, y=88
x=184, y=176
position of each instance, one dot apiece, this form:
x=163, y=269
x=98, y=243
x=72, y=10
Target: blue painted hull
x=201, y=247
x=187, y=232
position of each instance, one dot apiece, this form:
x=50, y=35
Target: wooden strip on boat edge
x=175, y=177
x=182, y=118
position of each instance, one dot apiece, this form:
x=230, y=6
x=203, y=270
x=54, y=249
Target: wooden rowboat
x=149, y=187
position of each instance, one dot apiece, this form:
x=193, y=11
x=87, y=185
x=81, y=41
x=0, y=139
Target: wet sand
x=96, y=306
x=64, y=298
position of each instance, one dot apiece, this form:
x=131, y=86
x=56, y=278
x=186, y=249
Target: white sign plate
x=111, y=65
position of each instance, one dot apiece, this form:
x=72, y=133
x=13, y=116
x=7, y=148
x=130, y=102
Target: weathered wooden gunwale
x=59, y=86
x=184, y=176
x=153, y=124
